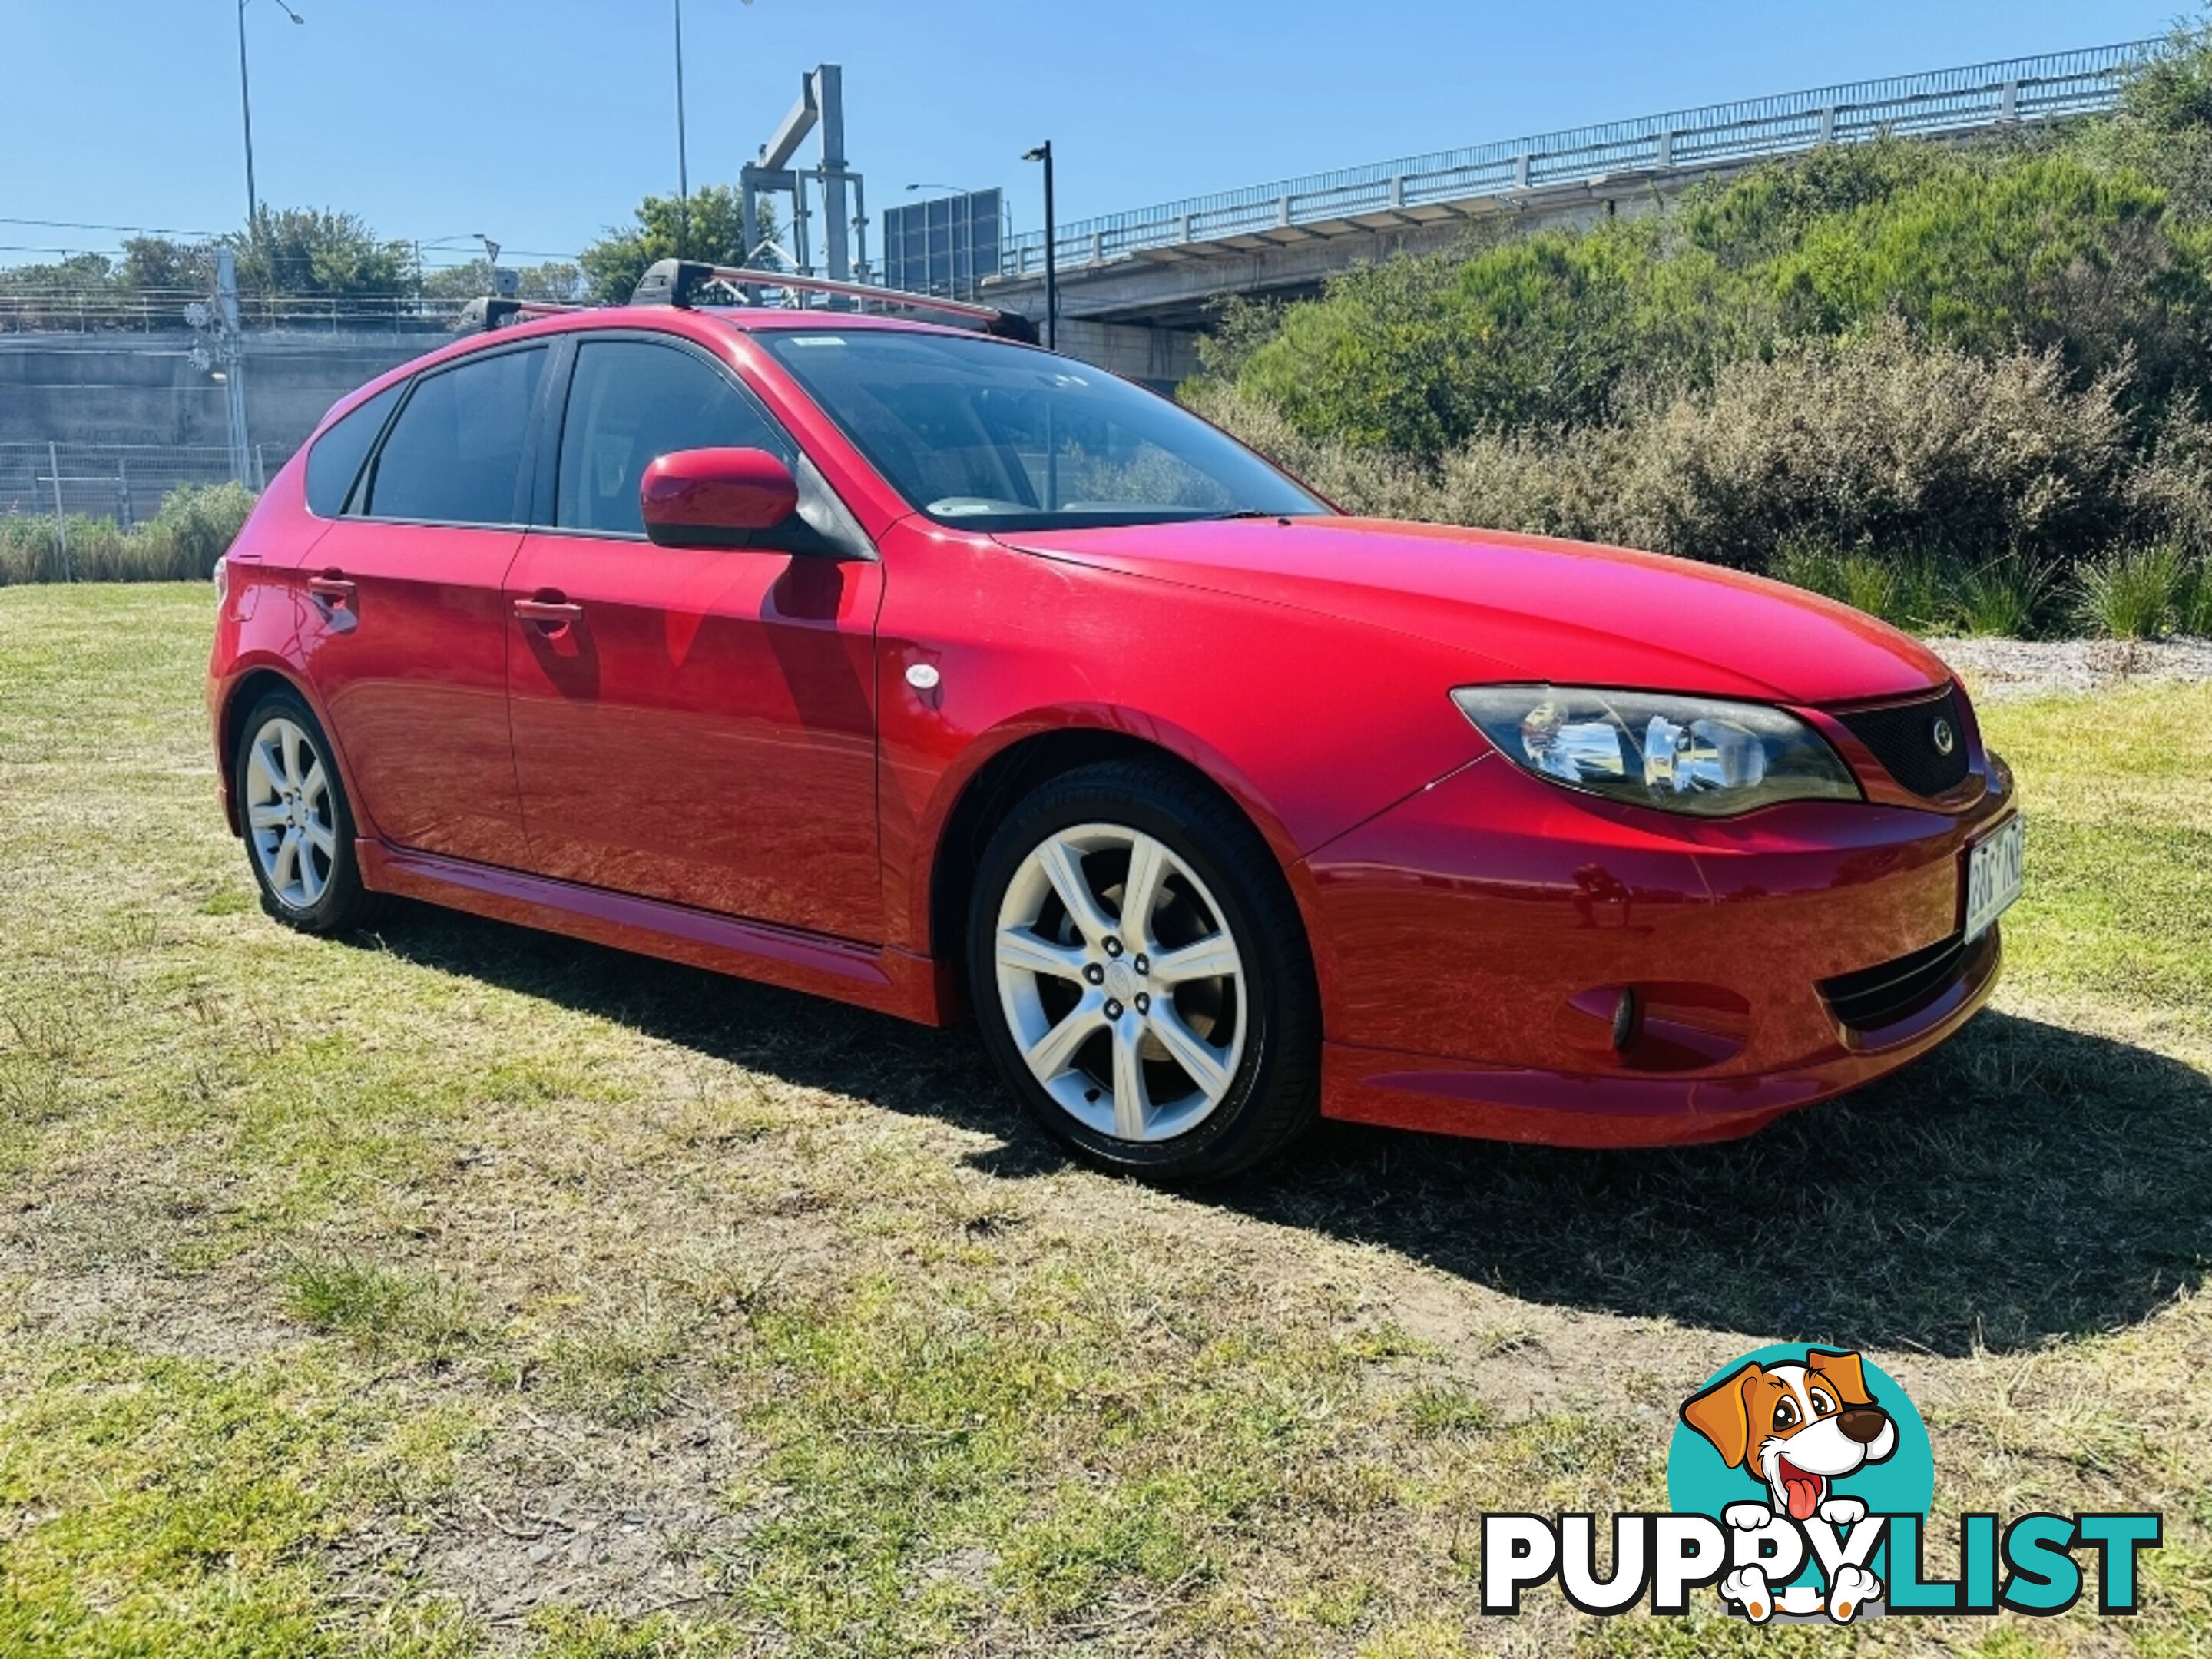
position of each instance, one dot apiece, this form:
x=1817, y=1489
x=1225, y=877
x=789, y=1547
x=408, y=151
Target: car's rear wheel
x=1137, y=964
x=299, y=830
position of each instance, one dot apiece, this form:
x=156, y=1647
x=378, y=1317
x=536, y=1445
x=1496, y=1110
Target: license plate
x=1993, y=870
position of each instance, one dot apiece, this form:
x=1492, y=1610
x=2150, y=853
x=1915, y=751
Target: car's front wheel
x=299, y=830
x=1138, y=969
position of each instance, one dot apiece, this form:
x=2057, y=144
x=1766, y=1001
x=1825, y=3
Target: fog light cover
x=1696, y=754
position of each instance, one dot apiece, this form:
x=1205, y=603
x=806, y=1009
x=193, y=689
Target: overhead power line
x=127, y=230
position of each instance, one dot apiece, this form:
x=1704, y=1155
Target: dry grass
x=459, y=1289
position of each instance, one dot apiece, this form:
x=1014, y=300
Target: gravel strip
x=2030, y=668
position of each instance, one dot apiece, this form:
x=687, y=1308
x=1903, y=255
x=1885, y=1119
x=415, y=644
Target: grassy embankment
x=460, y=1290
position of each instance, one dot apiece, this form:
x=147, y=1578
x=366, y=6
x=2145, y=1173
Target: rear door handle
x=554, y=613
x=337, y=598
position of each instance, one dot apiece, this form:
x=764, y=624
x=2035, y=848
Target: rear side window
x=335, y=461
x=455, y=454
x=630, y=403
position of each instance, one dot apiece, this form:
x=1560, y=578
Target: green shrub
x=2005, y=597
x=2169, y=489
x=2193, y=614
x=1368, y=482
x=2135, y=594
x=1417, y=354
x=1912, y=591
x=198, y=525
x=1859, y=580
x=1868, y=443
x=1876, y=441
x=195, y=525
x=28, y=550
x=2070, y=251
x=1905, y=356
x=2043, y=250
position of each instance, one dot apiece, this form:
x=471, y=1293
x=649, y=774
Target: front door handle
x=552, y=613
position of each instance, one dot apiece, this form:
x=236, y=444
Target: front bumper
x=1474, y=943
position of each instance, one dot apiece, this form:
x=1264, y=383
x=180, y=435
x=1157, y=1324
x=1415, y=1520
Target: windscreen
x=978, y=432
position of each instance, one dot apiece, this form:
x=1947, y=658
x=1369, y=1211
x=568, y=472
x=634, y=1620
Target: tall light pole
x=246, y=103
x=1044, y=153
x=682, y=162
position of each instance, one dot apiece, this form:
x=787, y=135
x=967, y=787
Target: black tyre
x=1139, y=969
x=298, y=828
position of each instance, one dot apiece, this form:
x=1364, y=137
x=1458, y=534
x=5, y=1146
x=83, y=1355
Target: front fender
x=1311, y=723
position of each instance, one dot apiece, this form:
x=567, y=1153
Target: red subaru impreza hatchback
x=935, y=673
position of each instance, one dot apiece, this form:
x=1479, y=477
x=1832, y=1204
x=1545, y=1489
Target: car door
x=692, y=725
x=405, y=624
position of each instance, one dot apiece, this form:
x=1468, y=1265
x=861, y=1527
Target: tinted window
x=335, y=461
x=976, y=431
x=632, y=402
x=455, y=454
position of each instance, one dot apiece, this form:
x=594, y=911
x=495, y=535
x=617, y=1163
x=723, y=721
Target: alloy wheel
x=290, y=813
x=1121, y=982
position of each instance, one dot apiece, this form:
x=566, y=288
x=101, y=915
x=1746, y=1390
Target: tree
x=80, y=273
x=2171, y=91
x=555, y=279
x=713, y=231
x=317, y=253
x=153, y=264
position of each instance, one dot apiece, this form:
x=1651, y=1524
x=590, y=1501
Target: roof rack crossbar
x=491, y=312
x=678, y=282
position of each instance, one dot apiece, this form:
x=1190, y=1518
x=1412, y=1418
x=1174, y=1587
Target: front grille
x=1903, y=738
x=1897, y=989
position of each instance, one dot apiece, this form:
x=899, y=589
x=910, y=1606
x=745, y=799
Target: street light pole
x=1044, y=153
x=246, y=103
x=682, y=162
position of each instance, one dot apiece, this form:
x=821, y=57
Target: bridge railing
x=1941, y=100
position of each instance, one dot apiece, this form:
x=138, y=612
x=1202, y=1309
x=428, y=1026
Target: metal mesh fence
x=70, y=311
x=122, y=483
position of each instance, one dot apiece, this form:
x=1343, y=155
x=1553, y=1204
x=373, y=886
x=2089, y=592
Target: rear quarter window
x=335, y=461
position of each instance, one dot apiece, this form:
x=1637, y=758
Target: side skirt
x=886, y=979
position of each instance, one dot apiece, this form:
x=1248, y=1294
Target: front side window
x=977, y=432
x=631, y=402
x=335, y=461
x=455, y=454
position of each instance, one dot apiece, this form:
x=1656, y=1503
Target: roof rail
x=678, y=282
x=489, y=313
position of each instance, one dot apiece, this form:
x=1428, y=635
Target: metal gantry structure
x=1930, y=105
x=844, y=235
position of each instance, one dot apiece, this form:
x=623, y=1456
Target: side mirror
x=716, y=497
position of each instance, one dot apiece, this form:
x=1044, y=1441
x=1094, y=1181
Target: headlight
x=1696, y=754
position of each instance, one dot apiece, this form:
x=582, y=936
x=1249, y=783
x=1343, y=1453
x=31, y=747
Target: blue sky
x=542, y=122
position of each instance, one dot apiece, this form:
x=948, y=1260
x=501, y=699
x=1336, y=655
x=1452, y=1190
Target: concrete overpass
x=1135, y=287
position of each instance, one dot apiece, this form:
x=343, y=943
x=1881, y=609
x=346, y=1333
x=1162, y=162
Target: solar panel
x=946, y=245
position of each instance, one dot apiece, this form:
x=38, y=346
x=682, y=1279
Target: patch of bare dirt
x=2033, y=668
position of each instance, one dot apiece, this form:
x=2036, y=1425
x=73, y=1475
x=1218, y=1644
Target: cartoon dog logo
x=1797, y=1430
